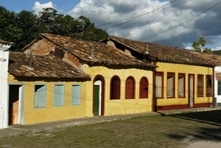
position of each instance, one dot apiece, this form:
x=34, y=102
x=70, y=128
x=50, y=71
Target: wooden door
x=96, y=100
x=130, y=94
x=143, y=88
x=15, y=106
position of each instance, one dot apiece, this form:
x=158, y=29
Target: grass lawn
x=141, y=132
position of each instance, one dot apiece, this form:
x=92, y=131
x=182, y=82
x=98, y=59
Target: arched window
x=143, y=87
x=115, y=88
x=130, y=88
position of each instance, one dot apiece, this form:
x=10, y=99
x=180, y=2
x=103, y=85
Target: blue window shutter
x=40, y=96
x=58, y=95
x=76, y=94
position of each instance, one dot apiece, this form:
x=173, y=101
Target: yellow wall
x=122, y=106
x=187, y=69
x=49, y=113
x=33, y=115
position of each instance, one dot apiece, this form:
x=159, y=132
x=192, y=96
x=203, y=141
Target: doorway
x=98, y=96
x=15, y=105
x=191, y=90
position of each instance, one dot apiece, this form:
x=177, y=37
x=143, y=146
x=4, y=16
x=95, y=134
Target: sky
x=170, y=22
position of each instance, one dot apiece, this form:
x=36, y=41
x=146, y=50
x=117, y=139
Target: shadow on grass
x=202, y=133
x=210, y=117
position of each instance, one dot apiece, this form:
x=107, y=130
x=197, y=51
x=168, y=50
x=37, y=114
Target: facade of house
x=59, y=78
x=182, y=78
x=4, y=46
x=217, y=85
x=43, y=88
x=217, y=79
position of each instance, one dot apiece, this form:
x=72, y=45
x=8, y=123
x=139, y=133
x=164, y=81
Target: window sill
x=171, y=98
x=160, y=98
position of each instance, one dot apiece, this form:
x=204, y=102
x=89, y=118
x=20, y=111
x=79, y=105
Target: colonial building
x=59, y=78
x=182, y=79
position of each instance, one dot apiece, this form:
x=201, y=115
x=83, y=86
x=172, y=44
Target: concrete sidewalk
x=16, y=130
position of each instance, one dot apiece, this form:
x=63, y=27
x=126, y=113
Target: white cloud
x=38, y=6
x=216, y=48
x=158, y=22
x=189, y=47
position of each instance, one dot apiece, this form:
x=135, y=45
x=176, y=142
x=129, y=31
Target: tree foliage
x=200, y=44
x=8, y=29
x=21, y=28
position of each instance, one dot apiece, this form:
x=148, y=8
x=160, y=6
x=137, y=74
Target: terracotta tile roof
x=213, y=59
x=47, y=66
x=5, y=42
x=162, y=53
x=94, y=53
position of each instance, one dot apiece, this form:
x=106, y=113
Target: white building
x=4, y=59
x=217, y=85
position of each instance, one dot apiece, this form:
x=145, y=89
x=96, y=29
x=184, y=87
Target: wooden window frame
x=75, y=99
x=161, y=74
x=112, y=88
x=209, y=86
x=200, y=87
x=45, y=97
x=182, y=75
x=63, y=96
x=143, y=88
x=173, y=84
x=127, y=89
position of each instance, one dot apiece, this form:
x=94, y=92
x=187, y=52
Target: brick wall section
x=42, y=47
x=70, y=59
x=45, y=47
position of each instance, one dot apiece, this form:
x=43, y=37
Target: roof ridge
x=145, y=42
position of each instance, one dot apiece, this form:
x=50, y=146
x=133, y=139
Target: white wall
x=4, y=58
x=217, y=69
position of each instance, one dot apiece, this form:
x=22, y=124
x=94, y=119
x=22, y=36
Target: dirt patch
x=205, y=144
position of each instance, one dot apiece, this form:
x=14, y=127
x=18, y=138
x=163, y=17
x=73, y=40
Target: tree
x=46, y=19
x=196, y=45
x=27, y=22
x=80, y=28
x=21, y=28
x=9, y=30
x=207, y=50
x=200, y=44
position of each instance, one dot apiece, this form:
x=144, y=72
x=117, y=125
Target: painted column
x=4, y=58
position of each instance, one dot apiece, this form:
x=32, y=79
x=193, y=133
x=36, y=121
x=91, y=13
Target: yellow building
x=59, y=78
x=182, y=79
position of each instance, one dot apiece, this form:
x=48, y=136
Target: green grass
x=141, y=132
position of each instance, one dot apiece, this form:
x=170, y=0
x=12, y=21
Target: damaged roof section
x=94, y=53
x=162, y=53
x=47, y=66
